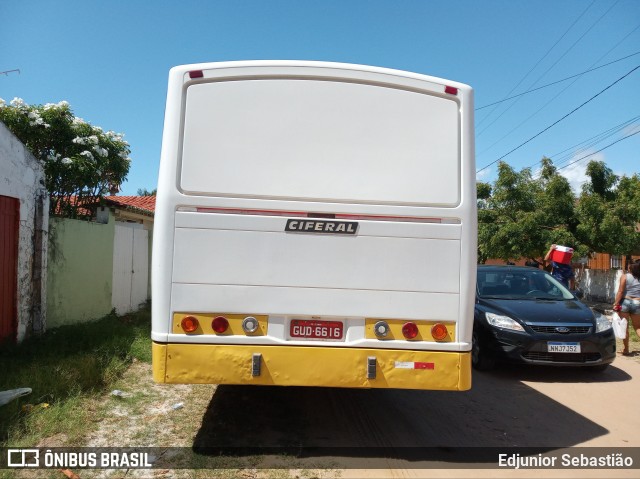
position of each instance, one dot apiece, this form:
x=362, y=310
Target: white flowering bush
x=82, y=163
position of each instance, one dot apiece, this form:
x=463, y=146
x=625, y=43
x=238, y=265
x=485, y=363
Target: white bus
x=315, y=226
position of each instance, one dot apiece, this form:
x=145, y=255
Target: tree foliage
x=81, y=162
x=609, y=211
x=519, y=216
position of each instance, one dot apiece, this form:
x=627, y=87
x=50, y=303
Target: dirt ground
x=379, y=433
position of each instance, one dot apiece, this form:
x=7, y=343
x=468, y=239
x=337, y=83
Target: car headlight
x=504, y=322
x=602, y=323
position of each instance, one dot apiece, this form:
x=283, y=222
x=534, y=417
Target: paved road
x=397, y=433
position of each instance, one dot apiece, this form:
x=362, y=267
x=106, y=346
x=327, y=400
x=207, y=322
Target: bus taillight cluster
x=223, y=324
x=219, y=324
x=410, y=330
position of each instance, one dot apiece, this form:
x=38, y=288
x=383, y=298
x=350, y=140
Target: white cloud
x=482, y=175
x=576, y=173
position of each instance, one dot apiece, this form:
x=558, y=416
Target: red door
x=9, y=221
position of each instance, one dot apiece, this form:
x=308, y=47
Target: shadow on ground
x=499, y=414
x=551, y=374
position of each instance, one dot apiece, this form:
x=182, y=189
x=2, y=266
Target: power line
x=558, y=121
x=556, y=82
x=540, y=60
x=594, y=140
x=547, y=71
x=556, y=95
x=586, y=144
x=601, y=149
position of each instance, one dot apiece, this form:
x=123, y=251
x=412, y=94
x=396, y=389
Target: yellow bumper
x=310, y=366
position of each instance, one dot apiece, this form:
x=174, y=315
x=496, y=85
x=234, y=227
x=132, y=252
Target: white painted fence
x=599, y=285
x=130, y=267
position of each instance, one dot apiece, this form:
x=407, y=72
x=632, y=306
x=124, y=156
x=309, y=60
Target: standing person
x=628, y=301
x=560, y=271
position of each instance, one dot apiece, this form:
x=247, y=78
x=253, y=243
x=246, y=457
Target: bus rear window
x=320, y=140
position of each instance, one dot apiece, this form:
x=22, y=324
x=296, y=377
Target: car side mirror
x=578, y=293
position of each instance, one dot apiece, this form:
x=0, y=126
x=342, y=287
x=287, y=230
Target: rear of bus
x=315, y=226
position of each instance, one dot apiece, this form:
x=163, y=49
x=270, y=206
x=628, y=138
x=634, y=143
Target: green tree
x=609, y=211
x=145, y=192
x=556, y=210
x=523, y=216
x=82, y=163
x=483, y=193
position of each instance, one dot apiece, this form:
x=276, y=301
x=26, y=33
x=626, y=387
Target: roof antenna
x=6, y=72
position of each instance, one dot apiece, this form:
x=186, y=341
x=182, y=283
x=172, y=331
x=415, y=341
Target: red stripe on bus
x=301, y=214
x=423, y=365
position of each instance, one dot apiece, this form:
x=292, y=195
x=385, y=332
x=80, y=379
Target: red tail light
x=410, y=330
x=189, y=324
x=439, y=331
x=220, y=324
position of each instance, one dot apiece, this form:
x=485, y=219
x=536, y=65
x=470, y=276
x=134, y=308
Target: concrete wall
x=80, y=271
x=599, y=285
x=22, y=177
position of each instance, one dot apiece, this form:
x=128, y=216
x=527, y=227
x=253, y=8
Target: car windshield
x=530, y=284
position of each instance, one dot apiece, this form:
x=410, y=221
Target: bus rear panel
x=315, y=226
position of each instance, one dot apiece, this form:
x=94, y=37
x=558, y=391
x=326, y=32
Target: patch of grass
x=633, y=337
x=66, y=367
x=634, y=341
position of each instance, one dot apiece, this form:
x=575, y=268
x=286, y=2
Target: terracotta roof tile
x=142, y=203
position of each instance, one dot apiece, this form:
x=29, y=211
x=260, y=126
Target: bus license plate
x=315, y=329
x=553, y=347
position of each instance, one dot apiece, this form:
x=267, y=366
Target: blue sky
x=110, y=61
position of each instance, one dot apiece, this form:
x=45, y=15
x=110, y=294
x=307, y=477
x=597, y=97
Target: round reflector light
x=410, y=330
x=439, y=331
x=220, y=324
x=250, y=324
x=381, y=328
x=189, y=324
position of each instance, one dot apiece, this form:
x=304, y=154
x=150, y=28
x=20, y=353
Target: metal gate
x=9, y=224
x=130, y=267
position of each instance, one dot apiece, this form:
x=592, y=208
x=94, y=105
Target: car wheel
x=479, y=358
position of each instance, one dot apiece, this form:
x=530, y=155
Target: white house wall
x=22, y=177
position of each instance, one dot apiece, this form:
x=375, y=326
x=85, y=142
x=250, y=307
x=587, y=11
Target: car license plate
x=316, y=329
x=554, y=347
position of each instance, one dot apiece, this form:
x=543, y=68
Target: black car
x=524, y=315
